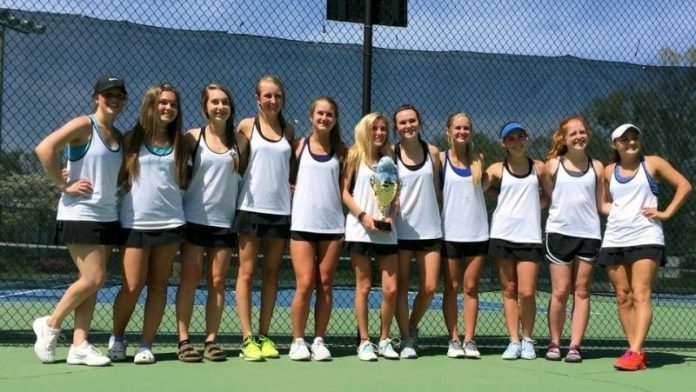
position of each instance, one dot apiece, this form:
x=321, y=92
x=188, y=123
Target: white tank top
x=418, y=217
x=265, y=186
x=573, y=210
x=316, y=204
x=626, y=225
x=100, y=165
x=211, y=197
x=464, y=215
x=155, y=200
x=365, y=199
x=517, y=217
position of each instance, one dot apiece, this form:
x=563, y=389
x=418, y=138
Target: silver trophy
x=385, y=185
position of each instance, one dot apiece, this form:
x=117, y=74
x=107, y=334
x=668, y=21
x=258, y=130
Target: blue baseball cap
x=511, y=127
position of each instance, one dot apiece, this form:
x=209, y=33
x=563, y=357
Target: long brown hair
x=558, y=146
x=230, y=140
x=144, y=131
x=335, y=139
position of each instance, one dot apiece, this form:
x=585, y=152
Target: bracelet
x=361, y=216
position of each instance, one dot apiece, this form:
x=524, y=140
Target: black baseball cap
x=106, y=82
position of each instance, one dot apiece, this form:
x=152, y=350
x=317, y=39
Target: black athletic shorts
x=314, y=237
x=256, y=224
x=563, y=249
x=421, y=245
x=512, y=250
x=141, y=238
x=458, y=250
x=630, y=254
x=369, y=249
x=210, y=236
x=87, y=232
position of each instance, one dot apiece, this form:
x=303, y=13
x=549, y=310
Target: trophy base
x=383, y=225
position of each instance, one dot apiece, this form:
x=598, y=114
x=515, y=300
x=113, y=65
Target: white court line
x=31, y=291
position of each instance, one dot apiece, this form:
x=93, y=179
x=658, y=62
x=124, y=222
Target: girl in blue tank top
x=88, y=217
x=153, y=175
x=633, y=244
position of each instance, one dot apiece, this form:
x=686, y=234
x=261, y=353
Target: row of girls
x=154, y=218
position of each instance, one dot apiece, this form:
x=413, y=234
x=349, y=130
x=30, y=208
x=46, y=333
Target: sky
x=631, y=31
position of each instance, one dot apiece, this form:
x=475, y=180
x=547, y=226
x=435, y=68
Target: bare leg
x=329, y=252
x=273, y=250
x=81, y=296
x=133, y=276
x=453, y=274
x=191, y=264
x=302, y=254
x=619, y=277
x=582, y=277
x=507, y=274
x=403, y=283
x=161, y=260
x=473, y=267
x=217, y=276
x=527, y=272
x=642, y=276
x=561, y=280
x=429, y=274
x=389, y=266
x=363, y=283
x=248, y=252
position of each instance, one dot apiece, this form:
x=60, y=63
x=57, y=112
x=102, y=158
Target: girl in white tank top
x=88, y=202
x=365, y=240
x=209, y=204
x=153, y=174
x=418, y=224
x=633, y=241
x=516, y=237
x=264, y=203
x=575, y=183
x=464, y=226
x=317, y=226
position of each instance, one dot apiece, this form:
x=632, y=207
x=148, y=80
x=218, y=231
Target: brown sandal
x=213, y=352
x=187, y=353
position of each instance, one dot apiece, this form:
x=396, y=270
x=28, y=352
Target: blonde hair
x=361, y=150
x=473, y=156
x=558, y=146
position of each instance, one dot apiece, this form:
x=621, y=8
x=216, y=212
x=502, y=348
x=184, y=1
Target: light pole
x=12, y=22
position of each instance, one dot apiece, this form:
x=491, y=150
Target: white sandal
x=143, y=355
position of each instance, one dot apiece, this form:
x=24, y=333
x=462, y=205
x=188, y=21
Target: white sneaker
x=143, y=356
x=454, y=349
x=366, y=351
x=408, y=349
x=86, y=354
x=386, y=349
x=319, y=350
x=527, y=349
x=299, y=350
x=116, y=350
x=470, y=350
x=46, y=339
x=513, y=351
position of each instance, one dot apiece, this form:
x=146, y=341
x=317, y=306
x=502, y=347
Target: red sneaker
x=631, y=361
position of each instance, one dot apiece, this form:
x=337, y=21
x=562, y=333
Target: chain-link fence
x=534, y=62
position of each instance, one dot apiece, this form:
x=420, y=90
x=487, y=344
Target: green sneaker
x=251, y=350
x=268, y=348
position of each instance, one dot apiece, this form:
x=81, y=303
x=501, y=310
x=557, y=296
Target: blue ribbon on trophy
x=385, y=185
